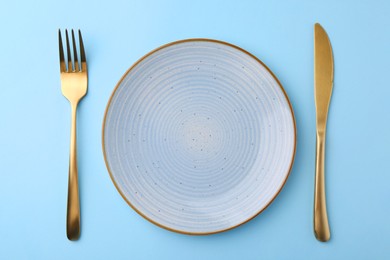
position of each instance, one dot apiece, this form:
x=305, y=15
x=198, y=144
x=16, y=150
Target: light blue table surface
x=35, y=122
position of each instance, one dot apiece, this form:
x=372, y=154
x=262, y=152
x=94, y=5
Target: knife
x=323, y=84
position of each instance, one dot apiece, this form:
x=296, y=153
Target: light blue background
x=35, y=122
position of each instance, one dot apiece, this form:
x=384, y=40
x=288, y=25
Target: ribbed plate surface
x=199, y=136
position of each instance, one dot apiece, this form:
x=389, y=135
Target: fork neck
x=73, y=105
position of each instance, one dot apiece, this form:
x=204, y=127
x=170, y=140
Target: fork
x=74, y=83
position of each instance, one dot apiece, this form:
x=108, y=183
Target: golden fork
x=74, y=82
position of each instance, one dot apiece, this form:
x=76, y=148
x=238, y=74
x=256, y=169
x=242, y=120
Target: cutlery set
x=199, y=136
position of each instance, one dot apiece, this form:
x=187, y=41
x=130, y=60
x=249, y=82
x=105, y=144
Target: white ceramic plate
x=199, y=136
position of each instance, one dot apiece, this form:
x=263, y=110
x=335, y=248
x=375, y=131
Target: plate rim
x=120, y=82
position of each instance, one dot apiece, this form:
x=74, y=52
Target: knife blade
x=323, y=85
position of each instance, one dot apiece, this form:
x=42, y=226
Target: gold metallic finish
x=74, y=82
x=323, y=84
x=151, y=53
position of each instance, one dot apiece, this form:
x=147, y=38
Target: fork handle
x=321, y=224
x=73, y=211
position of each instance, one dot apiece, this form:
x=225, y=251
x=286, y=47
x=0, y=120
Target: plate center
x=200, y=137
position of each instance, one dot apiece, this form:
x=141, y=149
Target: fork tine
x=76, y=63
x=62, y=59
x=82, y=54
x=68, y=54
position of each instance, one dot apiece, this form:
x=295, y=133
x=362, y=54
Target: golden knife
x=323, y=84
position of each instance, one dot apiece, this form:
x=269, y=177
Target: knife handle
x=321, y=225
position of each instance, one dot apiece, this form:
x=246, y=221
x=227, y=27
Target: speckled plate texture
x=199, y=136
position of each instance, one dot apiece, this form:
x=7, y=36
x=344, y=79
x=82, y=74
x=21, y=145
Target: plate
x=199, y=136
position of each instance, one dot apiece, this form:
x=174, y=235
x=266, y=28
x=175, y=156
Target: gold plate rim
x=119, y=83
